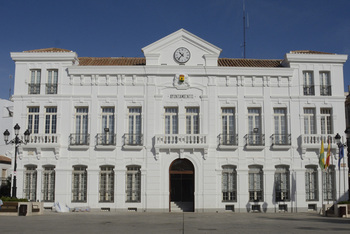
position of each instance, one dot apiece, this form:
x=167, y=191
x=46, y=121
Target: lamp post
x=347, y=132
x=16, y=141
x=347, y=144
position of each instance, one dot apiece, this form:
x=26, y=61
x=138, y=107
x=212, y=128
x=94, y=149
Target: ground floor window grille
x=48, y=185
x=133, y=184
x=107, y=184
x=329, y=190
x=311, y=185
x=30, y=179
x=255, y=184
x=282, y=191
x=229, y=183
x=79, y=184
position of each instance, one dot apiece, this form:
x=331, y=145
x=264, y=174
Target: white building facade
x=180, y=129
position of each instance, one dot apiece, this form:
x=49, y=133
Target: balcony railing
x=181, y=139
x=228, y=139
x=326, y=90
x=309, y=90
x=133, y=139
x=255, y=139
x=51, y=88
x=79, y=139
x=42, y=139
x=34, y=88
x=313, y=141
x=106, y=139
x=281, y=139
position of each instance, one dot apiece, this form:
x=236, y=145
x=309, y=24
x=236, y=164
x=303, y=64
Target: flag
x=321, y=161
x=328, y=154
x=341, y=155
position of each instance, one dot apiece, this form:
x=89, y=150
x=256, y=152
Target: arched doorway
x=181, y=186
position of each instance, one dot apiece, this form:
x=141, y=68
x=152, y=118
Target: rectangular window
x=311, y=185
x=254, y=127
x=35, y=79
x=309, y=88
x=280, y=122
x=326, y=121
x=81, y=126
x=325, y=84
x=33, y=120
x=282, y=184
x=229, y=184
x=228, y=136
x=107, y=184
x=171, y=120
x=255, y=184
x=30, y=179
x=108, y=118
x=51, y=85
x=192, y=120
x=329, y=184
x=50, y=120
x=309, y=121
x=79, y=184
x=48, y=189
x=135, y=135
x=133, y=184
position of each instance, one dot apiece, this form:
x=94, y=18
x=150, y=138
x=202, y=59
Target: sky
x=120, y=28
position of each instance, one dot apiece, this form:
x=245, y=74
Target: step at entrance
x=181, y=206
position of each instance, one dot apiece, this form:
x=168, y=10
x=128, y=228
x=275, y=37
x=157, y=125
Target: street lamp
x=347, y=144
x=16, y=141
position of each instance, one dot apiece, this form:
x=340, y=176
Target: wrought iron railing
x=309, y=90
x=181, y=139
x=281, y=139
x=255, y=139
x=34, y=88
x=106, y=139
x=51, y=88
x=79, y=139
x=133, y=139
x=228, y=139
x=326, y=90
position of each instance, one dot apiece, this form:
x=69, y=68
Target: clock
x=182, y=55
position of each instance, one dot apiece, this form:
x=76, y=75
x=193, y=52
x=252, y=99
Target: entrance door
x=181, y=174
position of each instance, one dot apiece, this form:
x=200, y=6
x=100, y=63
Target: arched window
x=256, y=188
x=30, y=180
x=133, y=183
x=79, y=184
x=48, y=184
x=229, y=183
x=311, y=184
x=282, y=185
x=107, y=184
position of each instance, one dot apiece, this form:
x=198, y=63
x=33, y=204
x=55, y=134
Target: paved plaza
x=168, y=223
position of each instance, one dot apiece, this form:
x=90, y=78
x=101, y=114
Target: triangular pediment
x=161, y=52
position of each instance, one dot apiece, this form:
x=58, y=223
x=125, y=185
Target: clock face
x=182, y=55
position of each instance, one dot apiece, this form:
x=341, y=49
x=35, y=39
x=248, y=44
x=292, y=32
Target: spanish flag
x=321, y=161
x=328, y=154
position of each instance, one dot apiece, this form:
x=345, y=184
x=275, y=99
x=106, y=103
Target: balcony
x=326, y=90
x=79, y=140
x=106, y=141
x=313, y=141
x=228, y=141
x=39, y=142
x=181, y=141
x=255, y=141
x=33, y=88
x=309, y=90
x=281, y=141
x=133, y=141
x=51, y=88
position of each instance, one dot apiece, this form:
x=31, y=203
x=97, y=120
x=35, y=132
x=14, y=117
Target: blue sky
x=116, y=28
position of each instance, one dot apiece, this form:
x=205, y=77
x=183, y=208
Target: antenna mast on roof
x=244, y=28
